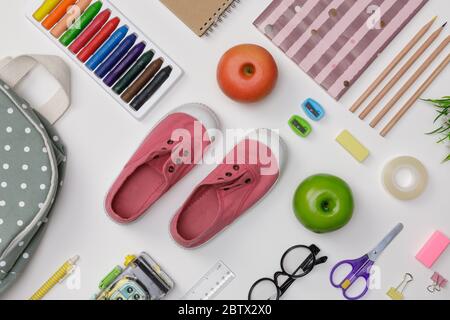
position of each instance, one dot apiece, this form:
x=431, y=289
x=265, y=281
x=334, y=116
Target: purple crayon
x=126, y=63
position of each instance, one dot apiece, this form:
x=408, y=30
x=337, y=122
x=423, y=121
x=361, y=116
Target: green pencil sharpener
x=300, y=126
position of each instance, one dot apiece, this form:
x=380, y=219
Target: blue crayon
x=107, y=48
x=116, y=56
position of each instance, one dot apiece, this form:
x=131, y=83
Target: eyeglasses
x=271, y=289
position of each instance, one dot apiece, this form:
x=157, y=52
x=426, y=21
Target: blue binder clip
x=313, y=109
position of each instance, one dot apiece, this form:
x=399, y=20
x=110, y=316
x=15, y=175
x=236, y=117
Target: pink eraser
x=433, y=249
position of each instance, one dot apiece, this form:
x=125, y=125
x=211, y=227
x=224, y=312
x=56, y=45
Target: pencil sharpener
x=300, y=126
x=141, y=278
x=313, y=109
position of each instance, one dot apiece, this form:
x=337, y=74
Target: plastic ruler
x=211, y=284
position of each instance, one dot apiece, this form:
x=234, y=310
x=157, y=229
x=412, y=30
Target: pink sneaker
x=157, y=164
x=247, y=174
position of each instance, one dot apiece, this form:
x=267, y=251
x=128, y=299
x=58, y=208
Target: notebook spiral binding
x=223, y=15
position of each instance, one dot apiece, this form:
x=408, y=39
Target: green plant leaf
x=434, y=132
x=441, y=114
x=446, y=159
x=442, y=107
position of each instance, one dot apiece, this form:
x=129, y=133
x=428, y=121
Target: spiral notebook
x=335, y=41
x=200, y=15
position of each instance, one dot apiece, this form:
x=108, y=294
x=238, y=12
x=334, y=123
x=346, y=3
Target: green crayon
x=81, y=23
x=134, y=72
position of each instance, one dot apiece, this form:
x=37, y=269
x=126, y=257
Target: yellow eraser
x=353, y=146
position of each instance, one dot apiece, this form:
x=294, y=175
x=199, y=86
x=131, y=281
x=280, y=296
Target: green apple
x=323, y=203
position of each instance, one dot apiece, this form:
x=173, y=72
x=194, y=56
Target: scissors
x=361, y=267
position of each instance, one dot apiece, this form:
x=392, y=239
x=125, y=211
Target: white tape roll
x=405, y=178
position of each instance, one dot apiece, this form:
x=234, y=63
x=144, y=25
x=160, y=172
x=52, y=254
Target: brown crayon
x=143, y=79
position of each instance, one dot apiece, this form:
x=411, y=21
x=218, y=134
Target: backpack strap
x=14, y=70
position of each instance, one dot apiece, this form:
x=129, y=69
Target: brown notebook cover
x=198, y=15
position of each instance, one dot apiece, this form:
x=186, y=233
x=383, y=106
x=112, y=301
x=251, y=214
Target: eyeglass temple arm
x=314, y=249
x=305, y=264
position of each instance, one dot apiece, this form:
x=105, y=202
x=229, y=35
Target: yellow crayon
x=45, y=9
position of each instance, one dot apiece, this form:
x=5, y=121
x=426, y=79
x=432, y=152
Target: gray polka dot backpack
x=32, y=161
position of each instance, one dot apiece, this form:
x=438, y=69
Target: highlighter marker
x=115, y=57
x=152, y=87
x=79, y=25
x=72, y=15
x=98, y=40
x=45, y=9
x=126, y=63
x=134, y=72
x=143, y=79
x=57, y=14
x=90, y=31
x=107, y=48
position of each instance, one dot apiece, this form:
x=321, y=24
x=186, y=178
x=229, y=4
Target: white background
x=100, y=137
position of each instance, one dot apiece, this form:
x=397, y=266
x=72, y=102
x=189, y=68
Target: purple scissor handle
x=361, y=267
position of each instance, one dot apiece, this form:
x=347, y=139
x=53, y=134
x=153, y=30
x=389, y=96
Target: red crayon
x=98, y=40
x=90, y=31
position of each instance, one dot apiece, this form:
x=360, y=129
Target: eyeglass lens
x=298, y=261
x=264, y=289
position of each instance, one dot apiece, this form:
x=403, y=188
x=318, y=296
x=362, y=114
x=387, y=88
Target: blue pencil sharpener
x=313, y=109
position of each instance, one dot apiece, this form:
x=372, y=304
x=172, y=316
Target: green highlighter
x=300, y=126
x=81, y=23
x=134, y=72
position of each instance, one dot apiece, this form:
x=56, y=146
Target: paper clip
x=439, y=282
x=397, y=293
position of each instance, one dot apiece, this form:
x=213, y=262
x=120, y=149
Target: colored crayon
x=143, y=79
x=72, y=15
x=45, y=9
x=134, y=72
x=98, y=40
x=81, y=23
x=90, y=31
x=125, y=64
x=116, y=56
x=151, y=89
x=57, y=14
x=107, y=47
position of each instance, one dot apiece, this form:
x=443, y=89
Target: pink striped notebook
x=335, y=41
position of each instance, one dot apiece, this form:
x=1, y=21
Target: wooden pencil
x=392, y=65
x=401, y=72
x=416, y=96
x=410, y=82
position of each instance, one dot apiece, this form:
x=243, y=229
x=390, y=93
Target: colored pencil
x=392, y=65
x=416, y=96
x=410, y=82
x=401, y=72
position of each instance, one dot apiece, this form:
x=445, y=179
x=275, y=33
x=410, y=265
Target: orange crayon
x=73, y=14
x=57, y=14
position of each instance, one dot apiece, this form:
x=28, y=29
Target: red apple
x=247, y=73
